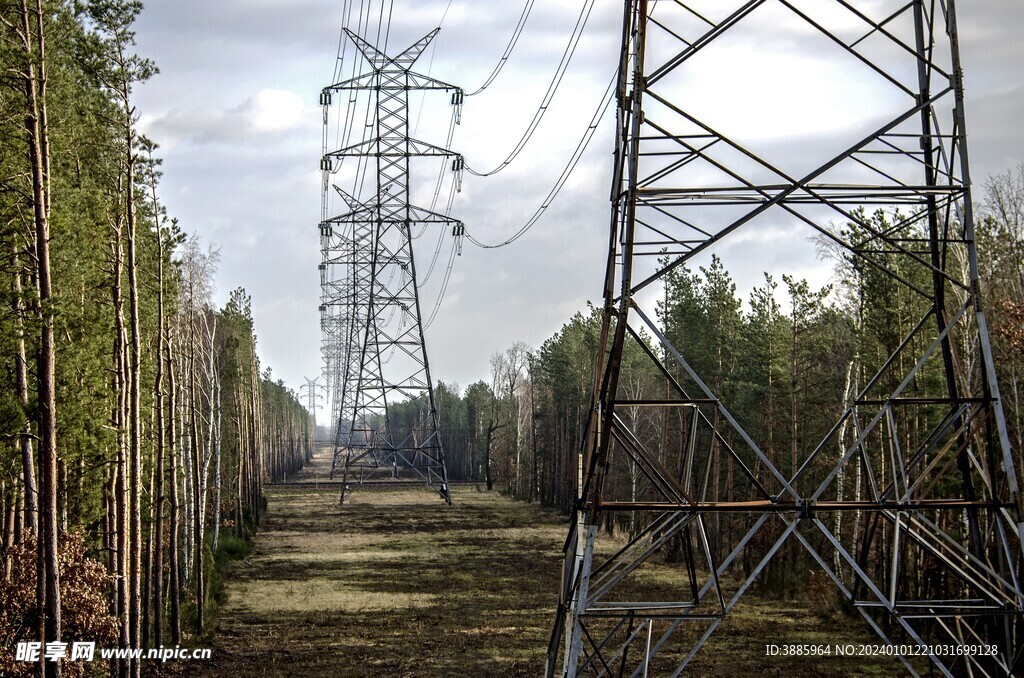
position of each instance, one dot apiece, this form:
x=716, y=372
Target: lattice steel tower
x=345, y=293
x=381, y=355
x=930, y=552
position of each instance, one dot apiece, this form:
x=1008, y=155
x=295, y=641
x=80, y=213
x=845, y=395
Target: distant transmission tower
x=312, y=388
x=378, y=349
x=929, y=551
x=345, y=278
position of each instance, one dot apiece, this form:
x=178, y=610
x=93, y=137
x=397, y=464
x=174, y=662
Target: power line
x=440, y=235
x=346, y=124
x=456, y=250
x=573, y=161
x=508, y=50
x=341, y=41
x=563, y=64
x=448, y=7
x=444, y=285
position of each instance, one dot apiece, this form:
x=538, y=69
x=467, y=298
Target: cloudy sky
x=235, y=111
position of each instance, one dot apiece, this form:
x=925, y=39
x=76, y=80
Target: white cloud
x=235, y=110
x=274, y=110
x=266, y=113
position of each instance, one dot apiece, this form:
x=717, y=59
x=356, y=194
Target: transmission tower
x=345, y=290
x=379, y=351
x=312, y=388
x=930, y=554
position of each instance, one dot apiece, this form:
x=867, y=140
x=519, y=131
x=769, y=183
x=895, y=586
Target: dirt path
x=395, y=583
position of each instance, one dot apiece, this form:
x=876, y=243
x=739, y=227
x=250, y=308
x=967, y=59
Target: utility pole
x=937, y=556
x=371, y=307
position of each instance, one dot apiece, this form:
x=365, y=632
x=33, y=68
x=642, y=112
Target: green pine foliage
x=104, y=180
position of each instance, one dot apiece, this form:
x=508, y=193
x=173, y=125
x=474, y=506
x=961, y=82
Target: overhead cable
x=606, y=99
x=508, y=50
x=570, y=50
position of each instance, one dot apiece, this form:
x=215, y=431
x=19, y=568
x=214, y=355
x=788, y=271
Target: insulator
x=458, y=165
x=457, y=98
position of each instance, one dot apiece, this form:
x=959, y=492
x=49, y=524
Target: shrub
x=85, y=616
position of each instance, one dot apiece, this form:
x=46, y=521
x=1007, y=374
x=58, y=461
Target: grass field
x=396, y=583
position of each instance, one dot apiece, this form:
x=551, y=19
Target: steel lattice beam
x=345, y=272
x=942, y=494
x=312, y=387
x=374, y=347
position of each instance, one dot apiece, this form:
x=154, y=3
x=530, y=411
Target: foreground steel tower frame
x=381, y=354
x=930, y=554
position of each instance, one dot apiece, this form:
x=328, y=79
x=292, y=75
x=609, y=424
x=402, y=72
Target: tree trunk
x=156, y=579
x=134, y=416
x=243, y=448
x=216, y=473
x=38, y=147
x=21, y=385
x=10, y=509
x=174, y=561
x=120, y=417
x=256, y=428
x=197, y=518
x=147, y=560
x=491, y=428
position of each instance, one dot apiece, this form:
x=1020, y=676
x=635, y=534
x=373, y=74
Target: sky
x=235, y=111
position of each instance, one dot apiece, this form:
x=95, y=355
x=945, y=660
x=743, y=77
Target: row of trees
x=787, y=360
x=136, y=427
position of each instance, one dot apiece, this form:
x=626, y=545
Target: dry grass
x=318, y=594
x=395, y=583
